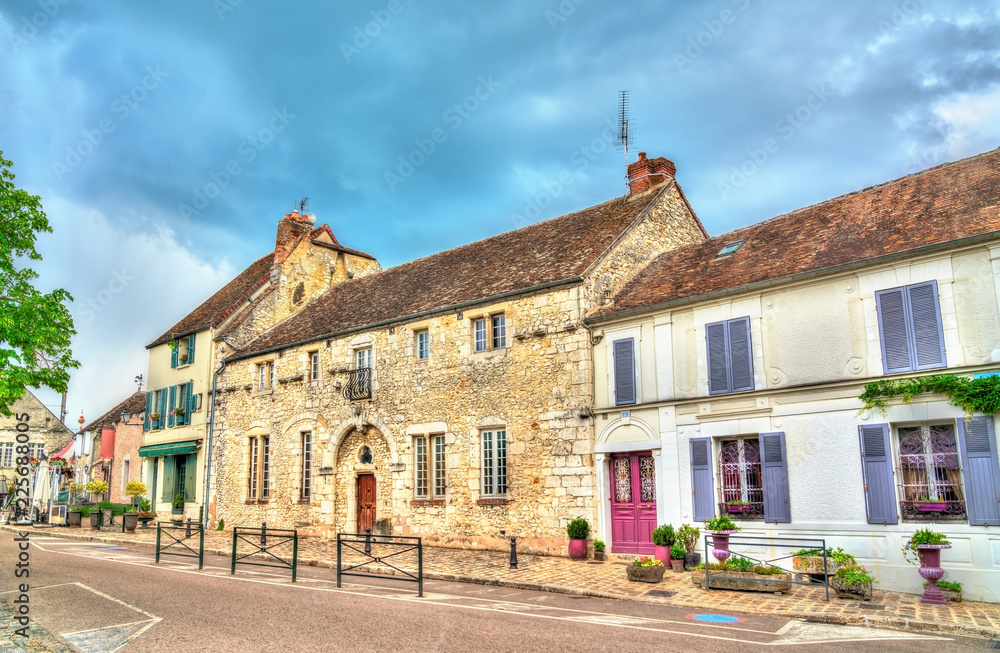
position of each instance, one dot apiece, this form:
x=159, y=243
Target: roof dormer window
x=730, y=248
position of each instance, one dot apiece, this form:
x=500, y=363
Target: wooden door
x=633, y=502
x=366, y=502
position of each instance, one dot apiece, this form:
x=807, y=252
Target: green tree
x=35, y=327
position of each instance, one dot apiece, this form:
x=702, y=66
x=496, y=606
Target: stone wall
x=44, y=428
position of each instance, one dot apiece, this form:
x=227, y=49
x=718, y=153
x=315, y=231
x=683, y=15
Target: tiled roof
x=544, y=253
x=219, y=306
x=135, y=403
x=935, y=206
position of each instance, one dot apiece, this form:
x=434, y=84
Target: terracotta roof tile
x=542, y=253
x=135, y=403
x=938, y=205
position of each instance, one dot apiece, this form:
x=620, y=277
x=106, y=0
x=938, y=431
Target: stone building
x=736, y=365
x=46, y=434
x=306, y=261
x=116, y=437
x=448, y=397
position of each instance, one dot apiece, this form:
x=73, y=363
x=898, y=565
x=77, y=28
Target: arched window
x=739, y=471
x=930, y=474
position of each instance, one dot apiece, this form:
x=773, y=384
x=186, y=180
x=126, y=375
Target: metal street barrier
x=261, y=541
x=724, y=547
x=380, y=549
x=178, y=545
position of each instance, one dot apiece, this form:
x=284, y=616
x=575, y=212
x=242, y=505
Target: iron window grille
x=740, y=475
x=359, y=384
x=930, y=474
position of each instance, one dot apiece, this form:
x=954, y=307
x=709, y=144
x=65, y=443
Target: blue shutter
x=775, y=471
x=190, y=476
x=170, y=406
x=173, y=357
x=702, y=483
x=169, y=478
x=891, y=309
x=190, y=351
x=927, y=338
x=149, y=409
x=624, y=371
x=718, y=358
x=979, y=466
x=192, y=402
x=876, y=463
x=740, y=357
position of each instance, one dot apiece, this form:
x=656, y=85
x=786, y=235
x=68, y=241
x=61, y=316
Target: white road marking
x=800, y=632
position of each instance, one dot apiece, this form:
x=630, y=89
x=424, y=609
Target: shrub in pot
x=677, y=557
x=599, y=548
x=663, y=539
x=852, y=581
x=721, y=527
x=687, y=536
x=645, y=570
x=928, y=545
x=578, y=530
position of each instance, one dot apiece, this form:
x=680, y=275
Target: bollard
x=368, y=541
x=513, y=552
x=263, y=533
x=187, y=531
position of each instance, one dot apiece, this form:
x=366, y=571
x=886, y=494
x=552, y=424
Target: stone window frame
x=314, y=366
x=422, y=354
x=436, y=470
x=259, y=485
x=359, y=344
x=264, y=384
x=126, y=471
x=307, y=477
x=494, y=467
x=490, y=333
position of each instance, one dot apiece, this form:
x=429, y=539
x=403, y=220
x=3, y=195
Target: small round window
x=366, y=456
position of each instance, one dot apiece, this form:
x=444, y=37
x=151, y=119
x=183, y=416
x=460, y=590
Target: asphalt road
x=103, y=599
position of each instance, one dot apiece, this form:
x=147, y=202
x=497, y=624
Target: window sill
x=253, y=502
x=305, y=502
x=493, y=502
x=428, y=502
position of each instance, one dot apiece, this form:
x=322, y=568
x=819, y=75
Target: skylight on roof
x=731, y=247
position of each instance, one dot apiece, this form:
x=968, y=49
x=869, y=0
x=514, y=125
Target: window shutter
x=775, y=471
x=740, y=357
x=170, y=406
x=190, y=476
x=190, y=351
x=173, y=357
x=977, y=442
x=876, y=463
x=892, y=330
x=718, y=358
x=702, y=483
x=149, y=409
x=624, y=372
x=192, y=402
x=928, y=338
x=169, y=478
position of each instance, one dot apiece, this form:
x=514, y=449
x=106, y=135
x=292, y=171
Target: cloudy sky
x=167, y=139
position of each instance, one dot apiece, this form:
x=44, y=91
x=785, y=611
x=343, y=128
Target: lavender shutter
x=927, y=339
x=876, y=463
x=149, y=409
x=702, y=483
x=977, y=442
x=892, y=330
x=740, y=358
x=775, y=471
x=718, y=358
x=624, y=372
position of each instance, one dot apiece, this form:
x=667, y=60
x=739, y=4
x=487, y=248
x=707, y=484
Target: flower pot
x=109, y=516
x=131, y=519
x=677, y=566
x=74, y=517
x=931, y=571
x=932, y=506
x=691, y=560
x=860, y=591
x=814, y=565
x=599, y=556
x=738, y=507
x=145, y=521
x=95, y=519
x=720, y=542
x=645, y=574
x=743, y=580
x=578, y=549
x=662, y=553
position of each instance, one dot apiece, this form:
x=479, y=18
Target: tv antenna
x=622, y=137
x=302, y=204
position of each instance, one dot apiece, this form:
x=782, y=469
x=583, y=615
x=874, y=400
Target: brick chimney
x=648, y=173
x=291, y=231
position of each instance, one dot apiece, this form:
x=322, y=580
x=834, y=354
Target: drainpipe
x=208, y=451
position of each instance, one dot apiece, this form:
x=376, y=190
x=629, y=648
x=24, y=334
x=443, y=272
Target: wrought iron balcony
x=750, y=510
x=359, y=384
x=933, y=510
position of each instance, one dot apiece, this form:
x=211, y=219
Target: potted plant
x=663, y=539
x=183, y=359
x=97, y=487
x=721, y=527
x=134, y=490
x=928, y=545
x=177, y=506
x=738, y=506
x=739, y=573
x=925, y=504
x=146, y=513
x=952, y=590
x=677, y=557
x=645, y=570
x=177, y=412
x=578, y=530
x=599, y=547
x=94, y=515
x=853, y=582
x=687, y=536
x=154, y=417
x=810, y=561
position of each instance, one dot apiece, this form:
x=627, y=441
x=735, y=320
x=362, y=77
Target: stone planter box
x=645, y=574
x=743, y=580
x=131, y=519
x=74, y=517
x=677, y=565
x=814, y=565
x=857, y=592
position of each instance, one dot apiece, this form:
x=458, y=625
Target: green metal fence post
x=232, y=568
x=295, y=554
x=201, y=545
x=338, y=559
x=157, y=542
x=420, y=568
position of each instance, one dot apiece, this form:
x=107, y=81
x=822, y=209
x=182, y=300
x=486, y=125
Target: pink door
x=633, y=502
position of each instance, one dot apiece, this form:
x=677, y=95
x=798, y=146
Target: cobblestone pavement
x=607, y=579
x=38, y=638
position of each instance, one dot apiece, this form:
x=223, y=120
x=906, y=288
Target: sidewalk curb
x=870, y=620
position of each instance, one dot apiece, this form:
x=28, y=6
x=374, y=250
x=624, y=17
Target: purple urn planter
x=931, y=571
x=662, y=553
x=578, y=549
x=720, y=542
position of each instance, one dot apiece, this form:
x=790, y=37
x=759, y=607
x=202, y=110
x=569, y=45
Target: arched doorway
x=363, y=484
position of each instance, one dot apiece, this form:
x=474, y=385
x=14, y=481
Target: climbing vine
x=980, y=395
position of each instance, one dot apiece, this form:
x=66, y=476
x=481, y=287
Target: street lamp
x=126, y=416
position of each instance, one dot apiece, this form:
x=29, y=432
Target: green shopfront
x=172, y=474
